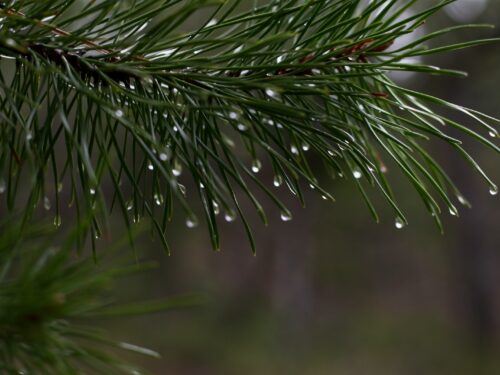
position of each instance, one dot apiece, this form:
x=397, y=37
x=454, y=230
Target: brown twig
x=59, y=56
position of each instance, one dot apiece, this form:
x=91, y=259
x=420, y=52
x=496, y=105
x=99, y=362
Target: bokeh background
x=332, y=292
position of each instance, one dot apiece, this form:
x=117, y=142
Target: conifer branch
x=133, y=96
x=48, y=300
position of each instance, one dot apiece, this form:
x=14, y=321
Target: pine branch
x=46, y=298
x=132, y=94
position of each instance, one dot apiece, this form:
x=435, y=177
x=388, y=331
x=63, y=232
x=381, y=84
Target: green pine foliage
x=48, y=300
x=116, y=106
x=132, y=94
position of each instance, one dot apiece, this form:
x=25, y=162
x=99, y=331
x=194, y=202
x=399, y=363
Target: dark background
x=332, y=292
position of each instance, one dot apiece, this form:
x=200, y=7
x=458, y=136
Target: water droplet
x=212, y=22
x=493, y=134
x=10, y=42
x=202, y=186
x=286, y=216
x=357, y=174
x=57, y=221
x=130, y=205
x=312, y=186
x=46, y=203
x=331, y=153
x=216, y=207
x=256, y=166
x=242, y=127
x=163, y=156
x=462, y=200
x=493, y=190
x=177, y=169
x=278, y=180
x=119, y=113
x=399, y=223
x=92, y=191
x=29, y=136
x=272, y=93
x=233, y=115
x=230, y=216
x=294, y=150
x=280, y=59
x=192, y=222
x=158, y=199
x=150, y=166
x=328, y=197
x=306, y=146
x=453, y=211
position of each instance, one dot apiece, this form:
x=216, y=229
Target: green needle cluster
x=150, y=96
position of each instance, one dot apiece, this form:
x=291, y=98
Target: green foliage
x=46, y=297
x=128, y=95
x=132, y=93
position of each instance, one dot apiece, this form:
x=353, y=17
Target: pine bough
x=131, y=94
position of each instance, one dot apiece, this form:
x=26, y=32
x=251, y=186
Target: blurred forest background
x=332, y=292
